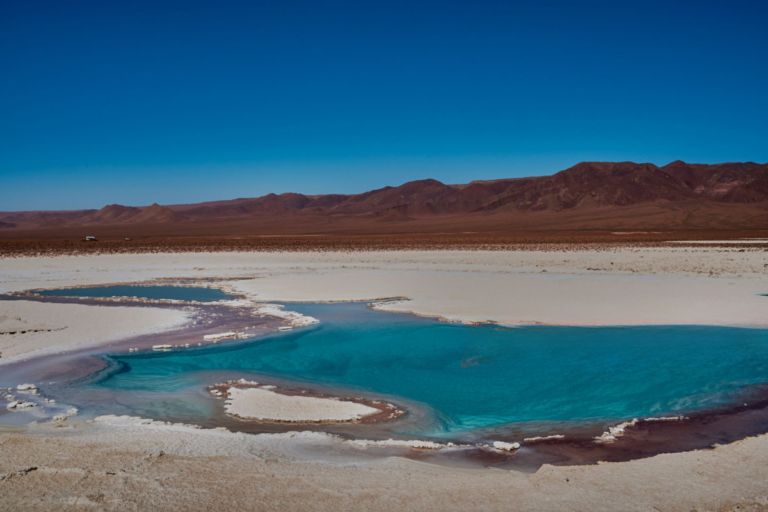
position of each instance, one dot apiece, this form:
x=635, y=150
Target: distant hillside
x=584, y=185
x=589, y=195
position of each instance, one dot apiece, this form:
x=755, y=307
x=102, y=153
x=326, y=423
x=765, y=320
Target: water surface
x=465, y=378
x=186, y=293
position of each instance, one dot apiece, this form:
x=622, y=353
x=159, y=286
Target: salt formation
x=71, y=412
x=18, y=405
x=397, y=443
x=211, y=337
x=294, y=319
x=266, y=405
x=619, y=430
x=506, y=447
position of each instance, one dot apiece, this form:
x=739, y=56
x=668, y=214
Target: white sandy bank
x=674, y=285
x=265, y=405
x=40, y=328
x=140, y=464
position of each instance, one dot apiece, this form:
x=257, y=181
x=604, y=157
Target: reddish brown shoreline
x=698, y=430
x=387, y=412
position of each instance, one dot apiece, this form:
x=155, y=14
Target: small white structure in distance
x=162, y=347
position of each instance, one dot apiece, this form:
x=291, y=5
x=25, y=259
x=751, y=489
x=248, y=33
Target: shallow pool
x=465, y=378
x=186, y=293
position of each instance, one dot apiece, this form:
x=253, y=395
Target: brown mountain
x=117, y=214
x=156, y=213
x=587, y=184
x=589, y=195
x=113, y=213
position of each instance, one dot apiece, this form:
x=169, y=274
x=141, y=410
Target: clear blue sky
x=149, y=101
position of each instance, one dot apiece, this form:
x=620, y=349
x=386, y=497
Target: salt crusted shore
x=29, y=328
x=125, y=463
x=118, y=463
x=631, y=286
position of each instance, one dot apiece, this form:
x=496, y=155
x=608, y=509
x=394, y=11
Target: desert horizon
x=586, y=197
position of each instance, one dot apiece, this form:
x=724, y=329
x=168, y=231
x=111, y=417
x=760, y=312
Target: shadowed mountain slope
x=589, y=195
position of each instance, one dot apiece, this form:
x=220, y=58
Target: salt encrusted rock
x=26, y=387
x=544, y=438
x=219, y=336
x=507, y=447
x=18, y=404
x=396, y=443
x=294, y=319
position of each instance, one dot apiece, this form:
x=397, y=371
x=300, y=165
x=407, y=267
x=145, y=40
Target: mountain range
x=589, y=195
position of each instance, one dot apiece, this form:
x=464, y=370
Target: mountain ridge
x=580, y=189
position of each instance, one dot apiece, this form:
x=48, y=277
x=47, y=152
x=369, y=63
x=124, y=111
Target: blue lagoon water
x=468, y=377
x=187, y=293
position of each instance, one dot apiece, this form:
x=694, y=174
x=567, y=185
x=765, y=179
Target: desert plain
x=122, y=463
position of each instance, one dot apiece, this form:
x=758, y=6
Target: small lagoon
x=185, y=293
x=462, y=378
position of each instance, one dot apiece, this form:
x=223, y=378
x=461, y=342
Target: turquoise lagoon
x=465, y=378
x=187, y=293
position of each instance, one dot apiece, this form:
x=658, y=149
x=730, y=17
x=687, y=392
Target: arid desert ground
x=133, y=464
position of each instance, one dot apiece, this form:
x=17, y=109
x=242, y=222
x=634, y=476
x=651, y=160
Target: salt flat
x=602, y=287
x=30, y=328
x=120, y=463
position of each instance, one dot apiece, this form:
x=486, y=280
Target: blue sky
x=173, y=102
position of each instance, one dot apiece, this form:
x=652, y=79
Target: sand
x=265, y=405
x=122, y=464
x=41, y=328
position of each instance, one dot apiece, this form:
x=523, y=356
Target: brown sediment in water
x=642, y=438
